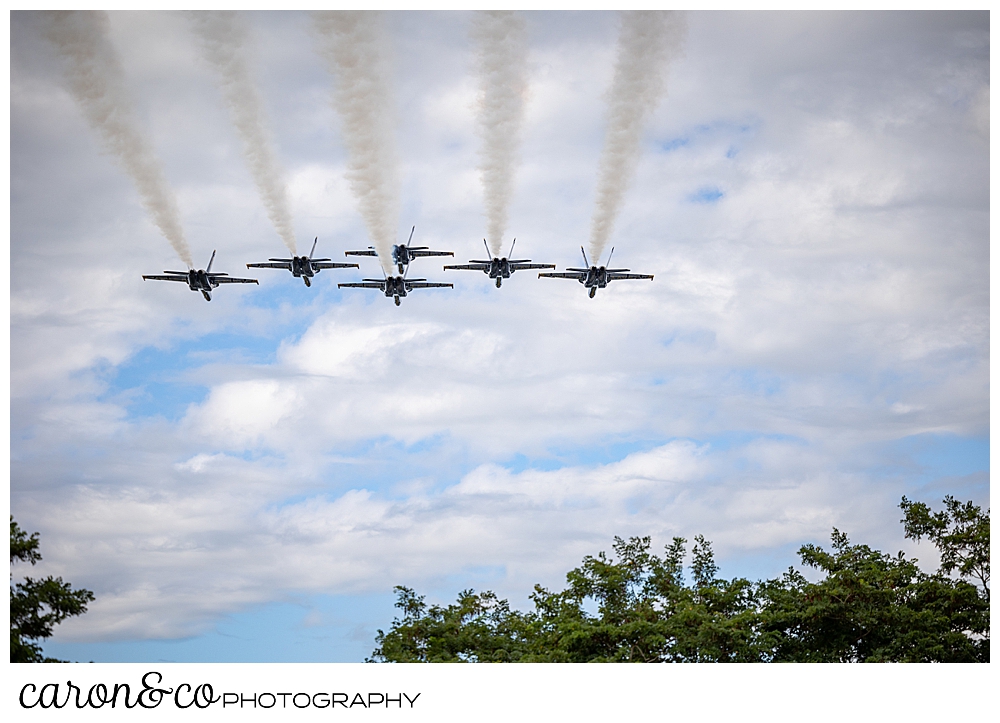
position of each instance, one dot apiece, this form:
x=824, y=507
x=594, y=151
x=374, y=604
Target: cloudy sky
x=247, y=479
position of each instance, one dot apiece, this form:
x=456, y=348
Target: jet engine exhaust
x=649, y=42
x=224, y=37
x=356, y=51
x=97, y=82
x=502, y=52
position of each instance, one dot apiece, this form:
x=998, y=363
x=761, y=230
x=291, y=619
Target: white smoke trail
x=97, y=81
x=355, y=47
x=502, y=55
x=224, y=37
x=648, y=43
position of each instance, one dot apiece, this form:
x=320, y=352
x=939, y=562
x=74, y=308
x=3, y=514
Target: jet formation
x=396, y=287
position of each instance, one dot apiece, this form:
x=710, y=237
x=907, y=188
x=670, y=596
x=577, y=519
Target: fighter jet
x=304, y=266
x=201, y=280
x=595, y=277
x=395, y=287
x=500, y=268
x=402, y=255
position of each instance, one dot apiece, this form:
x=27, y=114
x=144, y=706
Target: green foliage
x=645, y=613
x=36, y=606
x=869, y=606
x=873, y=607
x=22, y=547
x=477, y=628
x=960, y=532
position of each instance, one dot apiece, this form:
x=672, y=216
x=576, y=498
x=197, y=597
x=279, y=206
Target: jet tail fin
x=315, y=241
x=585, y=262
x=411, y=235
x=210, y=262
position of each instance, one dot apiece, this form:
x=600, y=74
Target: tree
x=36, y=606
x=869, y=607
x=960, y=532
x=873, y=607
x=476, y=629
x=645, y=613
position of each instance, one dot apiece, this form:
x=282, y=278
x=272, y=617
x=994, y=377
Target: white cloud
x=244, y=411
x=166, y=561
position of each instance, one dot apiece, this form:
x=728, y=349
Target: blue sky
x=247, y=479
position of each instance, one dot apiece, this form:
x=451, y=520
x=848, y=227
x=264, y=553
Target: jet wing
x=231, y=280
x=616, y=277
x=287, y=265
x=369, y=252
x=520, y=266
x=427, y=285
x=419, y=253
x=481, y=266
x=333, y=265
x=380, y=285
x=565, y=275
x=151, y=277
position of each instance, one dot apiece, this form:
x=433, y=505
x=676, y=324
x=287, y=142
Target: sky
x=247, y=479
